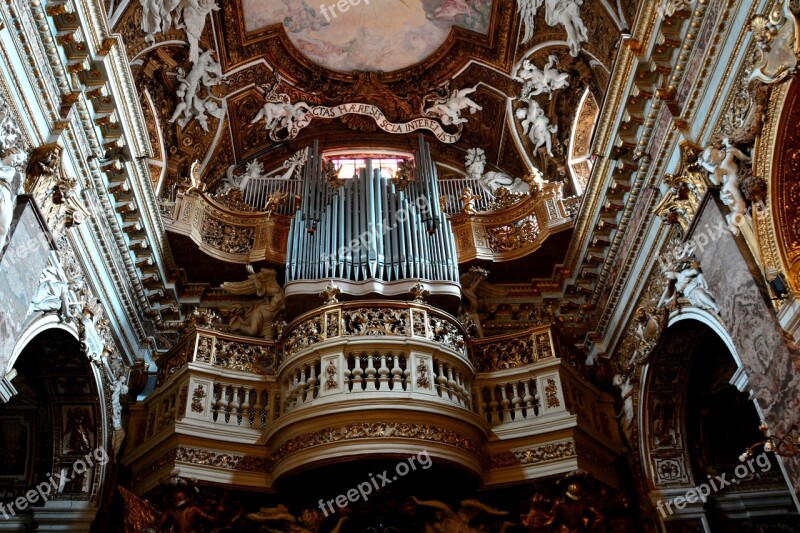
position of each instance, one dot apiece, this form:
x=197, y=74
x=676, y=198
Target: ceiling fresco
x=368, y=35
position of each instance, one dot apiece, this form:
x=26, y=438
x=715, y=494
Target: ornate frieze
x=534, y=455
x=376, y=430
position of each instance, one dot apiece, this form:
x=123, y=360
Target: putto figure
x=449, y=110
x=537, y=81
x=259, y=319
x=493, y=181
x=204, y=74
x=537, y=127
x=721, y=164
x=564, y=12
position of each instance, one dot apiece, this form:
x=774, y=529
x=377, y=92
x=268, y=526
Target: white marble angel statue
x=259, y=319
x=721, y=163
x=157, y=17
x=492, y=181
x=10, y=187
x=194, y=13
x=537, y=81
x=450, y=109
x=564, y=12
x=278, y=115
x=537, y=127
x=206, y=73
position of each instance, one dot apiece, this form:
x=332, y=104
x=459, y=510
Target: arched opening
x=53, y=438
x=696, y=423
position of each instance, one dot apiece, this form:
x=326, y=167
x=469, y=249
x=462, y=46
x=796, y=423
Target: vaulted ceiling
x=392, y=54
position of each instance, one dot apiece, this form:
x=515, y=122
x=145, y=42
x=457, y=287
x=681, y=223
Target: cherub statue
x=205, y=72
x=10, y=187
x=450, y=109
x=195, y=183
x=536, y=81
x=468, y=199
x=53, y=294
x=724, y=171
x=492, y=181
x=537, y=126
x=278, y=115
x=461, y=521
x=259, y=319
x=275, y=200
x=564, y=12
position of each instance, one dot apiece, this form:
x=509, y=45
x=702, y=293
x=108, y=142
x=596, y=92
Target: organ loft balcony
x=351, y=383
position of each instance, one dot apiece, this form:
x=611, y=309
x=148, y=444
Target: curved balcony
x=386, y=365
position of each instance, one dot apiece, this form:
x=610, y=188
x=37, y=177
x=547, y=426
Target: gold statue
x=468, y=199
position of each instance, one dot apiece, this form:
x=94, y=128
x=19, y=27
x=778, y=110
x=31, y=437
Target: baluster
x=238, y=398
x=217, y=401
x=348, y=383
x=528, y=399
x=516, y=402
x=397, y=374
x=257, y=406
x=407, y=379
x=357, y=372
x=291, y=394
x=451, y=383
x=302, y=385
x=441, y=380
x=264, y=405
x=371, y=371
x=504, y=403
x=493, y=404
x=461, y=390
x=228, y=401
x=383, y=374
x=311, y=392
x=245, y=405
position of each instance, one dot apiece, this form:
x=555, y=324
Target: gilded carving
x=198, y=396
x=778, y=38
x=534, y=455
x=423, y=380
x=331, y=382
x=376, y=430
x=551, y=393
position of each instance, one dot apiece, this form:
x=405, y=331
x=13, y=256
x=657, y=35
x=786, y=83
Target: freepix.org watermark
x=329, y=11
x=363, y=490
x=715, y=484
x=46, y=488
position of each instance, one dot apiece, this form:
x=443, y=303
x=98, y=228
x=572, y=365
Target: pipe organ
x=369, y=232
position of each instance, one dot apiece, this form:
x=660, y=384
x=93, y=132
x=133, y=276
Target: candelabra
x=785, y=446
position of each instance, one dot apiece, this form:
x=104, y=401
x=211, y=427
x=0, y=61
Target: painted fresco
x=368, y=35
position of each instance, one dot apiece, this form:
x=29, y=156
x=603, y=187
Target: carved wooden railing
x=376, y=318
x=514, y=231
x=241, y=235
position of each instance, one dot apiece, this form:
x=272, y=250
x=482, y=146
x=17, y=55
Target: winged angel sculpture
x=259, y=319
x=564, y=12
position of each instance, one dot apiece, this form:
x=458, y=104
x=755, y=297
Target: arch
x=783, y=188
x=693, y=366
x=59, y=421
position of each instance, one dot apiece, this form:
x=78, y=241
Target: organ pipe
x=367, y=229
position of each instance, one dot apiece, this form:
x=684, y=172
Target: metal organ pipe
x=368, y=230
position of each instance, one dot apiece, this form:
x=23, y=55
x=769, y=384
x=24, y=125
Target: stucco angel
x=280, y=520
x=537, y=127
x=545, y=80
x=10, y=186
x=205, y=73
x=492, y=181
x=721, y=163
x=564, y=12
x=450, y=109
x=278, y=115
x=259, y=319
